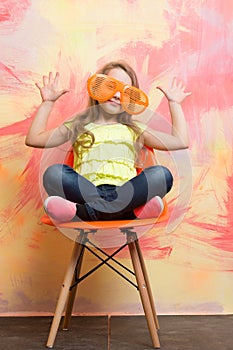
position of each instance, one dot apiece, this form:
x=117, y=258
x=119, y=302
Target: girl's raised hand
x=175, y=92
x=50, y=90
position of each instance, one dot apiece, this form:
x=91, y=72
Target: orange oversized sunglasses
x=102, y=88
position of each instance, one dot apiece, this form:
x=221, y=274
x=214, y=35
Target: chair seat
x=104, y=225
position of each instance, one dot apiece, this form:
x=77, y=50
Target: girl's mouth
x=114, y=101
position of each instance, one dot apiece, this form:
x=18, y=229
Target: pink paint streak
x=222, y=234
x=9, y=71
x=12, y=11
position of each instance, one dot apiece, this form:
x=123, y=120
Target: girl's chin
x=111, y=107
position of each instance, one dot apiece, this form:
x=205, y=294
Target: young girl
x=103, y=183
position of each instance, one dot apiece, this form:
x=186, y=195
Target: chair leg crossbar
x=72, y=279
x=105, y=262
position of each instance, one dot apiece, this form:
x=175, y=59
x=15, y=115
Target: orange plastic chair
x=72, y=277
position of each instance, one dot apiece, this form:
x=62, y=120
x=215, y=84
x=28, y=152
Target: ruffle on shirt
x=108, y=172
x=111, y=160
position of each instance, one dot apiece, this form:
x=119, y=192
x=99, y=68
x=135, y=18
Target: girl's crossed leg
x=87, y=202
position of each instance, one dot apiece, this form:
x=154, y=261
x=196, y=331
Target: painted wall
x=190, y=259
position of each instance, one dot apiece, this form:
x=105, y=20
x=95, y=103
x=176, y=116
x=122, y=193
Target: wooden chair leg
x=63, y=294
x=142, y=285
x=144, y=270
x=73, y=291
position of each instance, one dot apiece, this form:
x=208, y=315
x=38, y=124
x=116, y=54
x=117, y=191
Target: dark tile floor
x=127, y=332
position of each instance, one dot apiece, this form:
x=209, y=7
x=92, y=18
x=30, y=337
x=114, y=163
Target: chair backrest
x=146, y=158
x=69, y=159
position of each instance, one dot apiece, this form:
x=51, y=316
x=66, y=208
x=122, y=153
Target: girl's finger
x=161, y=89
x=64, y=91
x=172, y=82
x=38, y=86
x=45, y=80
x=50, y=77
x=181, y=86
x=56, y=79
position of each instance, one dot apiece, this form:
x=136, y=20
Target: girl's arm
x=179, y=138
x=38, y=136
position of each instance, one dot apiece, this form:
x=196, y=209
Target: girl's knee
x=161, y=173
x=51, y=173
x=169, y=178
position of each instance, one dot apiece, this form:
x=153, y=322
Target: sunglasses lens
x=135, y=100
x=101, y=87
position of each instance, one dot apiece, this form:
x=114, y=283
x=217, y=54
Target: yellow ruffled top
x=111, y=159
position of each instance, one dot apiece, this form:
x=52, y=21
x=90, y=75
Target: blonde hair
x=91, y=114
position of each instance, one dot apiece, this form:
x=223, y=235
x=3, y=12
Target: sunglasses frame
x=121, y=87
